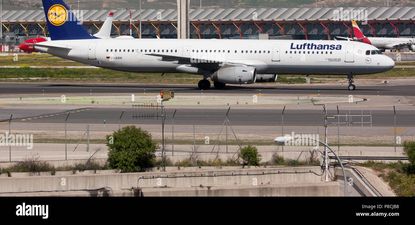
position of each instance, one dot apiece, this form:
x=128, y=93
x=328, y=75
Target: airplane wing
x=343, y=38
x=400, y=44
x=199, y=61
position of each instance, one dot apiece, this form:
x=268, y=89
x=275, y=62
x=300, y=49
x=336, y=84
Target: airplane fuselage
x=267, y=56
x=390, y=43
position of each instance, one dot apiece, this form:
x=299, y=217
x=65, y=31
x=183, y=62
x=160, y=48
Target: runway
x=381, y=90
x=214, y=116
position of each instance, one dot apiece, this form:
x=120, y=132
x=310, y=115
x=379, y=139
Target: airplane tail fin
x=358, y=33
x=105, y=31
x=62, y=23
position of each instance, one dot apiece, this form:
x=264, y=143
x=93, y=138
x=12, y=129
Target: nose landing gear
x=351, y=87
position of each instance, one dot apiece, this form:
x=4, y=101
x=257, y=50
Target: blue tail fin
x=62, y=23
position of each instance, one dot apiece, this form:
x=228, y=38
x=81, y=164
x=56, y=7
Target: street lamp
x=1, y=21
x=140, y=18
x=284, y=139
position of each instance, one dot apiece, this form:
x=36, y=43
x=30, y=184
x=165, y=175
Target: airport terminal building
x=301, y=23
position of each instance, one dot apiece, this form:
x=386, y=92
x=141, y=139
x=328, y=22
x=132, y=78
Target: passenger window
x=368, y=52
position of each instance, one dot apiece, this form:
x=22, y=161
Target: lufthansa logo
x=57, y=15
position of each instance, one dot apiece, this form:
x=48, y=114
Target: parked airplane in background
x=381, y=42
x=104, y=33
x=223, y=61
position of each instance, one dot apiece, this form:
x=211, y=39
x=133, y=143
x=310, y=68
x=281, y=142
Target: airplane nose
x=388, y=63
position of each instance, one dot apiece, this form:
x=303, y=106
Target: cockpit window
x=376, y=52
x=373, y=52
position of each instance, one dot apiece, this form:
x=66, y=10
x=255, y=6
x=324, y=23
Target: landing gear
x=204, y=85
x=351, y=87
x=219, y=85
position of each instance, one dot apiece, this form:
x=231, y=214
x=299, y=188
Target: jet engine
x=412, y=47
x=235, y=75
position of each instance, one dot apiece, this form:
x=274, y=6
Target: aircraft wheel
x=352, y=87
x=219, y=85
x=204, y=85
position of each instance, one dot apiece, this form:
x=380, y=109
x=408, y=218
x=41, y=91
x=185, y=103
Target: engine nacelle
x=235, y=75
x=412, y=47
x=266, y=78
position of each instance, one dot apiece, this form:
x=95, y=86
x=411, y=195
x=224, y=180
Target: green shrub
x=31, y=165
x=409, y=148
x=402, y=184
x=293, y=162
x=88, y=166
x=184, y=163
x=131, y=150
x=277, y=160
x=250, y=156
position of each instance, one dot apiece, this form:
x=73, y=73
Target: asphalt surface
x=237, y=117
x=382, y=90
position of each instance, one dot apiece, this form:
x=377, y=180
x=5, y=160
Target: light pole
x=10, y=133
x=140, y=19
x=394, y=126
x=66, y=133
x=172, y=132
x=325, y=148
x=282, y=124
x=284, y=139
x=1, y=21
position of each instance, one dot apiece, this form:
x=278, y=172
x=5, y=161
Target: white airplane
x=381, y=42
x=223, y=61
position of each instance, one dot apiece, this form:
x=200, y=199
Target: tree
x=409, y=148
x=250, y=156
x=131, y=149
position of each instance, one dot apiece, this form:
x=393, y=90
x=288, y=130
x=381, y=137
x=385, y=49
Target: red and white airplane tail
x=358, y=34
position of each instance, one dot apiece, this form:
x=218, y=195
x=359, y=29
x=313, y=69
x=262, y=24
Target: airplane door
x=276, y=56
x=92, y=52
x=349, y=58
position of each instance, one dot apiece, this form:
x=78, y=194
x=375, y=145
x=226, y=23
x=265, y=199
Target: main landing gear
x=204, y=84
x=219, y=85
x=351, y=87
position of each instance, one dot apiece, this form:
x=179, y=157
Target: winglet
x=105, y=31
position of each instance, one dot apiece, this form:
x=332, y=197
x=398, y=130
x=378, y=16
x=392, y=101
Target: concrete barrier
x=254, y=177
x=299, y=190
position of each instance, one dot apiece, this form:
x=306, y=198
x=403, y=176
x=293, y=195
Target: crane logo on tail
x=57, y=15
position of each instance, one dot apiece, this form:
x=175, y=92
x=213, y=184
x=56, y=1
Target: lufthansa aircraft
x=222, y=61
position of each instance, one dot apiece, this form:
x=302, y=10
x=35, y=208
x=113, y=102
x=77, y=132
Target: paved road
x=239, y=117
x=397, y=90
